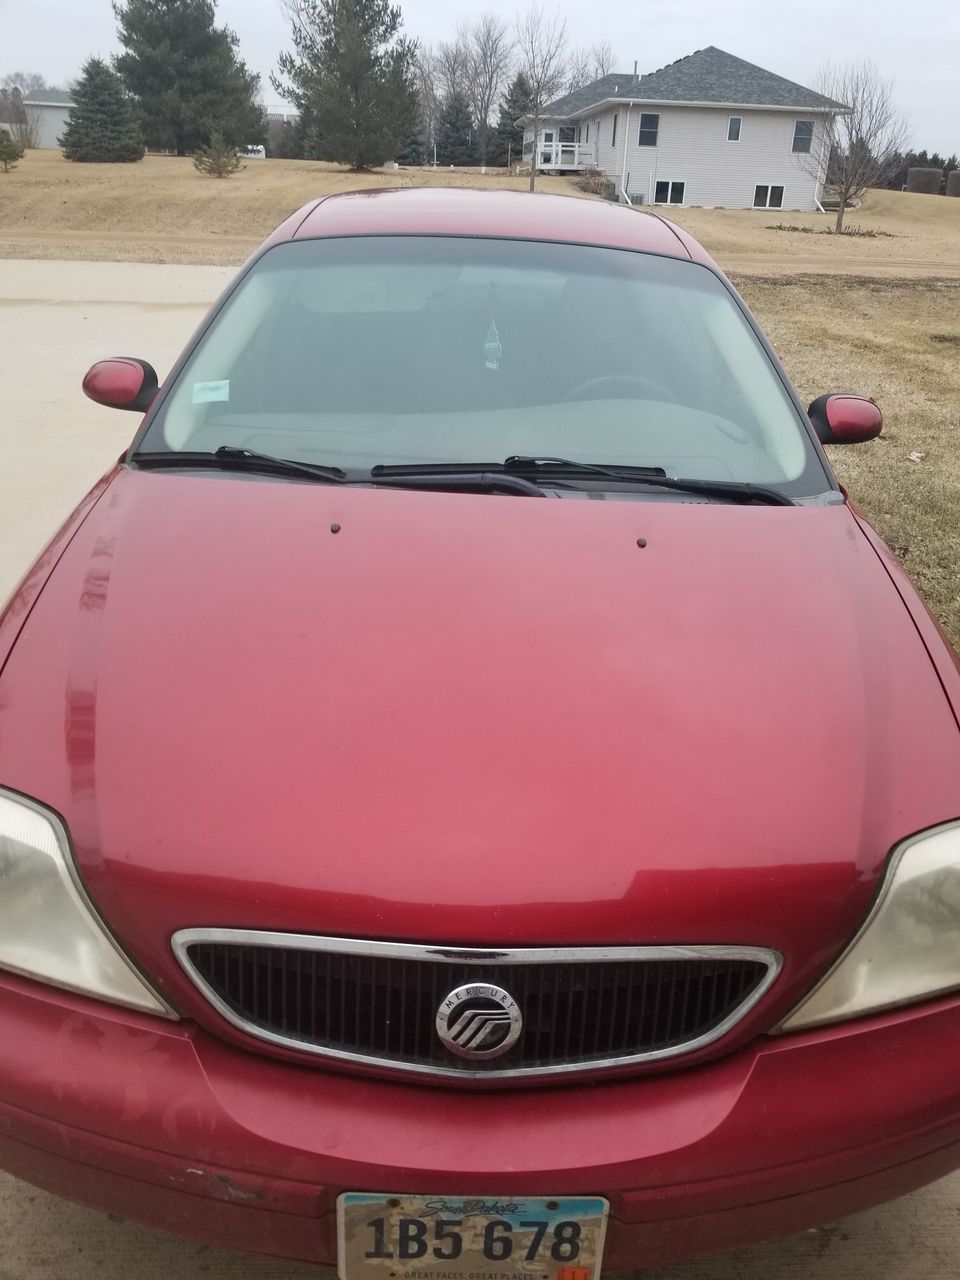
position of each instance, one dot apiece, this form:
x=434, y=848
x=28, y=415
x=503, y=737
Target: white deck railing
x=566, y=155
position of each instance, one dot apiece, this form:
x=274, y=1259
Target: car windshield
x=361, y=351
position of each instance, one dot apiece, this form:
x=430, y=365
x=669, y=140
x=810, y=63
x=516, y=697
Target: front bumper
x=167, y=1125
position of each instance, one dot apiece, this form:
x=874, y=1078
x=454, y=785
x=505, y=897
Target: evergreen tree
x=411, y=152
x=456, y=138
x=300, y=139
x=218, y=159
x=10, y=151
x=103, y=125
x=507, y=141
x=352, y=75
x=185, y=71
x=311, y=137
x=283, y=141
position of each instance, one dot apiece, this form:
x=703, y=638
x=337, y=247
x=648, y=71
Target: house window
x=587, y=138
x=768, y=198
x=616, y=117
x=803, y=135
x=733, y=128
x=649, y=128
x=668, y=193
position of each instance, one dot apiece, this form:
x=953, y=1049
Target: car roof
x=510, y=214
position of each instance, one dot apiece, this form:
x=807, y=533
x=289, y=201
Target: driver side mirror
x=845, y=419
x=122, y=383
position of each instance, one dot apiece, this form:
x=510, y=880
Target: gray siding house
x=47, y=111
x=708, y=130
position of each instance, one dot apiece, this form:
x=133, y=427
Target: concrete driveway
x=55, y=320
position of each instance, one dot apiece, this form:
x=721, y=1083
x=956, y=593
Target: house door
x=547, y=150
x=568, y=146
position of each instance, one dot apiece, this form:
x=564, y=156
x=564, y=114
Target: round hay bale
x=953, y=183
x=926, y=181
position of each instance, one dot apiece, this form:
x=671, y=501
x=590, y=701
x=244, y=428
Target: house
x=47, y=111
x=709, y=130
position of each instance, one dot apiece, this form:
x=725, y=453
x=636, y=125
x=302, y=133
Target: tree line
x=903, y=161
x=178, y=83
x=362, y=91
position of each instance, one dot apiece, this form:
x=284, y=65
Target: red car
x=402, y=873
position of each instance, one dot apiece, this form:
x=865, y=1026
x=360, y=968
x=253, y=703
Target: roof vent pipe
x=635, y=69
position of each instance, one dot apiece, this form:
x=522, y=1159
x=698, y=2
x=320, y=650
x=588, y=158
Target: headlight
x=48, y=928
x=909, y=947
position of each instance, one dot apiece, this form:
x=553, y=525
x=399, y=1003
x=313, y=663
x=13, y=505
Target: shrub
x=218, y=160
x=592, y=180
x=926, y=181
x=10, y=151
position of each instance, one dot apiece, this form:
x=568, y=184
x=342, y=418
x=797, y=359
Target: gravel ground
x=55, y=319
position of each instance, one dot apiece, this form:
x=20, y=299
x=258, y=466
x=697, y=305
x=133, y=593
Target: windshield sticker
x=207, y=392
x=492, y=347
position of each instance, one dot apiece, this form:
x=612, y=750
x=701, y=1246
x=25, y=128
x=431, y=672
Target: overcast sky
x=916, y=43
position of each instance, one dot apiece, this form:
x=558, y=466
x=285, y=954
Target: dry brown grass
x=923, y=238
x=162, y=210
x=880, y=316
x=898, y=341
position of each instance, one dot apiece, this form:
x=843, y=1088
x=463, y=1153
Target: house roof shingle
x=709, y=75
x=48, y=98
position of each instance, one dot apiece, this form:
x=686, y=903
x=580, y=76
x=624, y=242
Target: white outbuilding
x=47, y=111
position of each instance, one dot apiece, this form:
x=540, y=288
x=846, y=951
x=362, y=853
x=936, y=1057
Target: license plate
x=470, y=1237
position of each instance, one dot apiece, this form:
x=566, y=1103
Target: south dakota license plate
x=470, y=1237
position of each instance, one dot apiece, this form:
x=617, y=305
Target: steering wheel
x=611, y=386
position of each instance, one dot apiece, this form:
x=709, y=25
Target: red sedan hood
x=475, y=719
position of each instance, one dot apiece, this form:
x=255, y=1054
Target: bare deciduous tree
x=21, y=121
x=489, y=52
x=450, y=64
x=579, y=70
x=856, y=148
x=425, y=66
x=26, y=130
x=584, y=66
x=25, y=81
x=602, y=59
x=541, y=46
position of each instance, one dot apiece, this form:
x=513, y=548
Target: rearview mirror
x=122, y=383
x=845, y=419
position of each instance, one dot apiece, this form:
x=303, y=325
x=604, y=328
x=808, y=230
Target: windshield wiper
x=545, y=463
x=230, y=458
x=492, y=479
x=732, y=490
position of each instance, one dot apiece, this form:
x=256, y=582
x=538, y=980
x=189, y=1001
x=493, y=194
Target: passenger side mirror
x=122, y=383
x=845, y=419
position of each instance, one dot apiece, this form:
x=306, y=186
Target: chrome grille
x=376, y=1002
